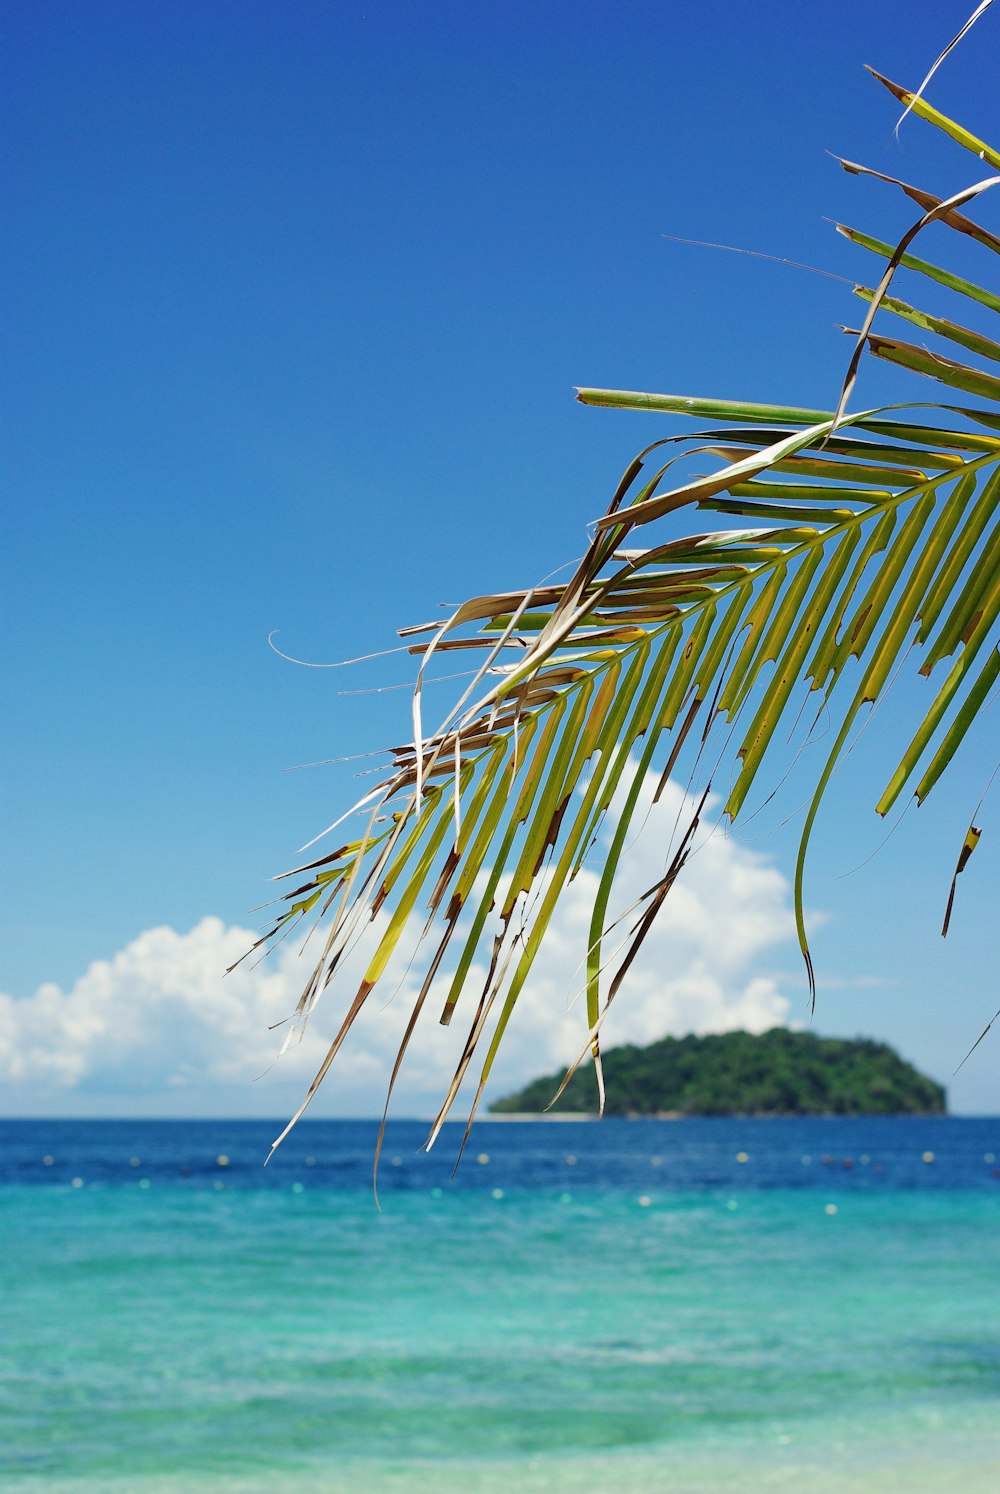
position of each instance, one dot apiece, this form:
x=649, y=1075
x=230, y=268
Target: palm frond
x=873, y=547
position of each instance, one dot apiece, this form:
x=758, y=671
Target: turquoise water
x=625, y=1307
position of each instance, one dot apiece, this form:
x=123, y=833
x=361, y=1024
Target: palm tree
x=873, y=550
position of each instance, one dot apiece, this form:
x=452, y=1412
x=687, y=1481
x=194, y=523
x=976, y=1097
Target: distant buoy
x=50, y=1160
x=571, y=1160
x=483, y=1158
x=742, y=1157
x=222, y=1160
x=927, y=1157
x=78, y=1182
x=397, y=1161
x=496, y=1193
x=133, y=1161
x=830, y=1209
x=644, y=1200
x=656, y=1161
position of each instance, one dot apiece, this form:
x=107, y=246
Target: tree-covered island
x=736, y=1073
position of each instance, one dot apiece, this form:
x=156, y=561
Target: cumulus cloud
x=158, y=1026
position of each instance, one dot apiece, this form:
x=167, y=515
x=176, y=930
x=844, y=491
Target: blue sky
x=296, y=297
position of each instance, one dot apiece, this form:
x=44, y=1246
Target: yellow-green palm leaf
x=829, y=551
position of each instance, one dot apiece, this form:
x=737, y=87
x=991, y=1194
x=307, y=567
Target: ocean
x=630, y=1306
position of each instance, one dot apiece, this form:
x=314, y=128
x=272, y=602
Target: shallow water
x=627, y=1306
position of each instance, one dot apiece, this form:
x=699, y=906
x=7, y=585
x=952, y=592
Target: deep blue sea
x=697, y=1305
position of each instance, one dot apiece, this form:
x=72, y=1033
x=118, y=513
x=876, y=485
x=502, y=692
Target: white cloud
x=159, y=1027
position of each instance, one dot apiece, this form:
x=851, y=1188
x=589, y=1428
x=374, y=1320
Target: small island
x=739, y=1073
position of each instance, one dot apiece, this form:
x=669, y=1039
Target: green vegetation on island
x=736, y=1073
